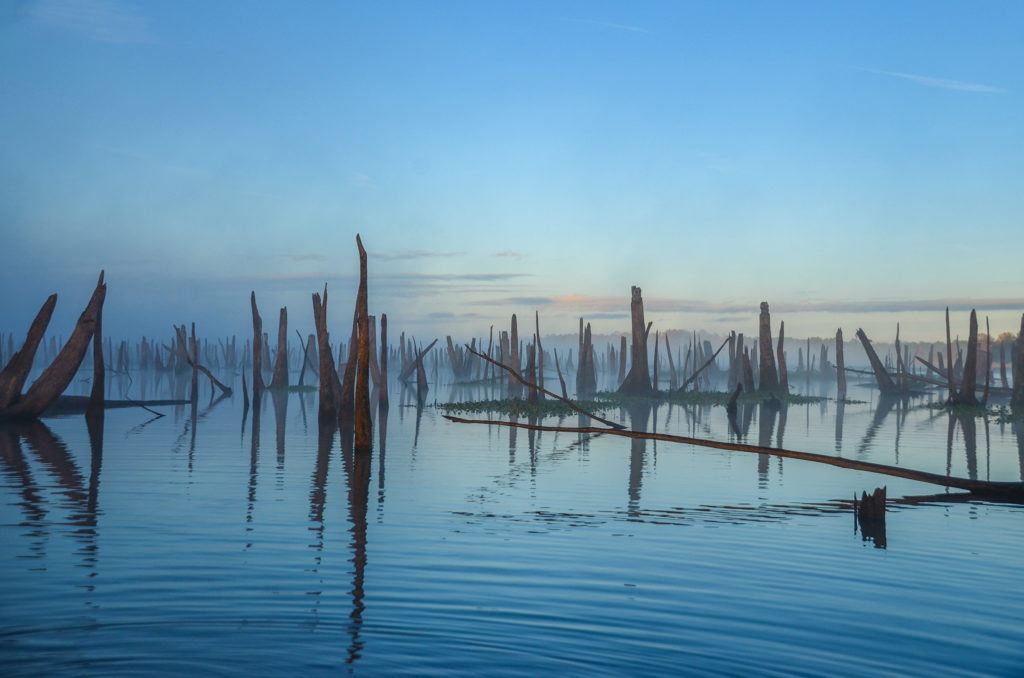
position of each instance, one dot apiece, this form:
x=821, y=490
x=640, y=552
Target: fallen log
x=65, y=405
x=1002, y=490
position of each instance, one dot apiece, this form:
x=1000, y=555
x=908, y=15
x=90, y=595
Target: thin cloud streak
x=580, y=302
x=943, y=83
x=606, y=24
x=103, y=21
x=415, y=254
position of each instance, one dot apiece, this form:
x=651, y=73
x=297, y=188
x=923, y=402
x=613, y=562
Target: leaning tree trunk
x=382, y=400
x=638, y=381
x=885, y=383
x=55, y=378
x=768, y=379
x=329, y=387
x=14, y=376
x=97, y=395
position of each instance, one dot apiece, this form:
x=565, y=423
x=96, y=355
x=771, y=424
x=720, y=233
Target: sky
x=853, y=164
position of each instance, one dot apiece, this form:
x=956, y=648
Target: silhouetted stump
x=768, y=378
x=871, y=516
x=638, y=381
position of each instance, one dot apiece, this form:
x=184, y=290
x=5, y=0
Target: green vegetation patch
x=518, y=407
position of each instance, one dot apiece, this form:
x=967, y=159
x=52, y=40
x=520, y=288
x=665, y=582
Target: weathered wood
x=966, y=395
x=56, y=377
x=988, y=362
x=654, y=377
x=257, y=349
x=638, y=380
x=840, y=366
x=415, y=362
x=673, y=380
x=279, y=380
x=1003, y=490
x=949, y=361
x=781, y=360
x=97, y=395
x=573, y=406
x=707, y=363
x=382, y=400
x=1017, y=399
x=363, y=417
x=622, y=360
x=885, y=382
x=328, y=375
x=558, y=369
x=768, y=378
x=540, y=350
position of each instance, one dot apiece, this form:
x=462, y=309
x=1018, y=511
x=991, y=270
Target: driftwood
x=885, y=382
x=226, y=390
x=573, y=406
x=1001, y=490
x=706, y=364
x=414, y=364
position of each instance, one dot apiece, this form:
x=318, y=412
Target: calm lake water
x=224, y=545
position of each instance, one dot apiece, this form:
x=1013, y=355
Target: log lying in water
x=984, y=488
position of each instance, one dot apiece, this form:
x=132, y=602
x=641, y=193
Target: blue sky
x=854, y=164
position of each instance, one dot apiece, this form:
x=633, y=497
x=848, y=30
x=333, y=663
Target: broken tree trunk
x=96, y=396
x=257, y=350
x=329, y=386
x=414, y=364
x=279, y=380
x=622, y=360
x=840, y=367
x=949, y=361
x=1017, y=399
x=382, y=399
x=638, y=381
x=781, y=356
x=363, y=419
x=885, y=383
x=540, y=353
x=968, y=384
x=347, y=394
x=55, y=378
x=561, y=380
x=768, y=378
x=707, y=363
x=654, y=378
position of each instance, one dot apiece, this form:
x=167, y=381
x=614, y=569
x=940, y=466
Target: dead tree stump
x=638, y=381
x=768, y=378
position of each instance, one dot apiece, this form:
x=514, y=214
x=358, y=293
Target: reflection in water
x=765, y=427
x=968, y=427
x=357, y=464
x=1018, y=431
x=254, y=462
x=81, y=497
x=318, y=500
x=840, y=411
x=279, y=397
x=882, y=410
x=639, y=414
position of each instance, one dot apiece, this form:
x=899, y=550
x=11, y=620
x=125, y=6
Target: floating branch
x=703, y=367
x=1002, y=490
x=412, y=366
x=226, y=390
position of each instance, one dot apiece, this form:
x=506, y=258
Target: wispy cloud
x=415, y=254
x=509, y=254
x=606, y=24
x=597, y=304
x=312, y=256
x=361, y=180
x=943, y=83
x=104, y=21
x=475, y=277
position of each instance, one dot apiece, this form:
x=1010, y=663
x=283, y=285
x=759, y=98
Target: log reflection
x=639, y=415
x=357, y=465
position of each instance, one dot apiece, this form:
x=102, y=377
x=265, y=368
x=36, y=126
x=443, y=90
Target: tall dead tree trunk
x=622, y=360
x=949, y=361
x=885, y=383
x=768, y=378
x=638, y=381
x=15, y=374
x=1017, y=399
x=329, y=386
x=279, y=380
x=56, y=377
x=364, y=421
x=97, y=395
x=966, y=394
x=515, y=362
x=654, y=377
x=540, y=355
x=257, y=351
x=840, y=367
x=382, y=400
x=781, y=355
x=347, y=394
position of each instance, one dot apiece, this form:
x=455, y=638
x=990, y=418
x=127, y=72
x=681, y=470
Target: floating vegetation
x=1001, y=414
x=519, y=407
